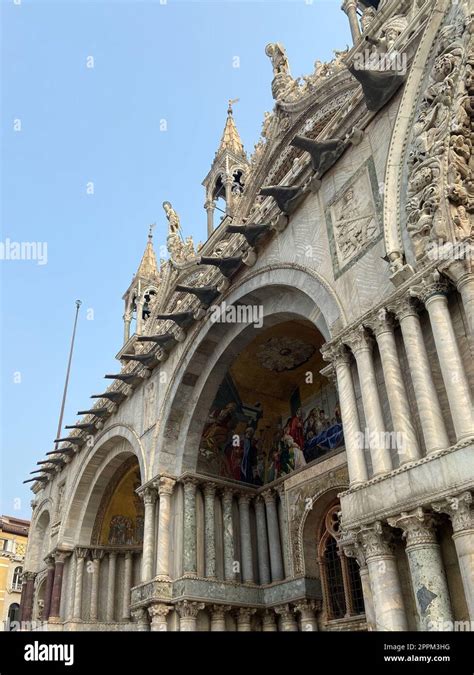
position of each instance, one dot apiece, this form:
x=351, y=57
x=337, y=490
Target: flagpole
x=63, y=403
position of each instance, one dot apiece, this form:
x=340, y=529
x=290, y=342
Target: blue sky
x=152, y=62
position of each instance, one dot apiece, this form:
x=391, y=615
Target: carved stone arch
x=326, y=494
x=115, y=445
x=397, y=240
x=284, y=292
x=39, y=535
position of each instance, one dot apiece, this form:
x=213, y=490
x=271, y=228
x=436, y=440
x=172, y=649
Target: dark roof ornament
x=378, y=86
x=288, y=198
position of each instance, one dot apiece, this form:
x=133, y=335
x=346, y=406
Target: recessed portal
x=273, y=412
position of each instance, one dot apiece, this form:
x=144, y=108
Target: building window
x=340, y=578
x=7, y=545
x=13, y=617
x=16, y=581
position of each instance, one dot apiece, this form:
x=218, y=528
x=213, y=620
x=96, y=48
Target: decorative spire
x=230, y=138
x=148, y=268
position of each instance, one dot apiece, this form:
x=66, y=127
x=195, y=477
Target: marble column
x=165, y=487
x=149, y=500
x=228, y=525
x=218, y=613
x=350, y=8
x=109, y=616
x=127, y=585
x=243, y=617
x=228, y=180
x=460, y=271
x=59, y=560
x=188, y=612
x=97, y=555
x=269, y=622
x=127, y=319
x=361, y=344
x=209, y=530
x=140, y=617
x=245, y=539
x=284, y=532
x=210, y=206
x=356, y=463
x=81, y=554
x=158, y=613
x=27, y=608
x=49, y=587
x=405, y=435
x=353, y=549
x=389, y=610
x=189, y=546
x=427, y=402
x=433, y=293
x=276, y=561
x=262, y=542
x=306, y=609
x=461, y=513
x=287, y=620
x=426, y=569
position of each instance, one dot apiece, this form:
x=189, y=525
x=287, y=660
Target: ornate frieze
x=440, y=193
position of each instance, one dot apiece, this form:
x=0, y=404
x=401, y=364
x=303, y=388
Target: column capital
x=129, y=555
x=381, y=322
x=159, y=610
x=307, y=608
x=165, y=485
x=353, y=548
x=461, y=269
x=219, y=611
x=228, y=494
x=189, y=610
x=49, y=560
x=269, y=496
x=61, y=556
x=375, y=541
x=81, y=553
x=417, y=526
x=336, y=354
x=97, y=554
x=430, y=286
x=209, y=489
x=148, y=495
x=285, y=611
x=268, y=617
x=29, y=576
x=402, y=307
x=459, y=510
x=244, y=498
x=244, y=614
x=359, y=340
x=190, y=484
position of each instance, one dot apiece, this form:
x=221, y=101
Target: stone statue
x=173, y=218
x=277, y=53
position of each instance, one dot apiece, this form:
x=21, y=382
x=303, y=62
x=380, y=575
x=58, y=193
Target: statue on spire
x=283, y=84
x=174, y=225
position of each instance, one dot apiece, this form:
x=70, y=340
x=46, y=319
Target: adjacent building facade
x=13, y=540
x=288, y=443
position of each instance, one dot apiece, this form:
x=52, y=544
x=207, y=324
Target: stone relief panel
x=440, y=194
x=353, y=218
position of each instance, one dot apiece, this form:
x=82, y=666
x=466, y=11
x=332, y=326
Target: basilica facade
x=287, y=443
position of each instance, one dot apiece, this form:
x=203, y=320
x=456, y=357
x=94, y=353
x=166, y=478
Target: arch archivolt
x=283, y=292
x=113, y=447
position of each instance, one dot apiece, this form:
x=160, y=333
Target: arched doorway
x=273, y=412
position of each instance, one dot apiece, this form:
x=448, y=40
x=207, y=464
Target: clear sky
x=65, y=125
